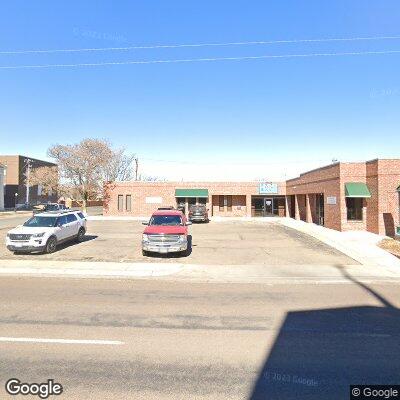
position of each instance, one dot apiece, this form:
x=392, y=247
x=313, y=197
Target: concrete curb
x=266, y=274
x=88, y=269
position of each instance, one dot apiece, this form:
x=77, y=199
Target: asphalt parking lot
x=233, y=242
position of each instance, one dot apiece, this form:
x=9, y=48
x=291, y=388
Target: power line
x=188, y=60
x=174, y=46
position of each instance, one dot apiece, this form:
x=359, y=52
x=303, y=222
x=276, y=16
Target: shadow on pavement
x=319, y=353
x=62, y=246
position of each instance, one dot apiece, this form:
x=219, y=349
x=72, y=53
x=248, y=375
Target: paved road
x=199, y=341
x=217, y=243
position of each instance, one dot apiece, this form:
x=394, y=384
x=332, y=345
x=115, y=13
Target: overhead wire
x=190, y=60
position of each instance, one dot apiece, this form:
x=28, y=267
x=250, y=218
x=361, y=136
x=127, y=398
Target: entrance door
x=320, y=208
x=268, y=206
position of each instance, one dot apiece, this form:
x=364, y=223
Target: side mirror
x=145, y=223
x=188, y=222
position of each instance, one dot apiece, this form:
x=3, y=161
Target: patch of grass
x=390, y=245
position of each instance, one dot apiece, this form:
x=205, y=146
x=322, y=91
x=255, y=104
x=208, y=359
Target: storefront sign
x=331, y=200
x=268, y=188
x=153, y=200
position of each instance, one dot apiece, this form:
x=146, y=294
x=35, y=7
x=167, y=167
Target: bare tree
x=120, y=167
x=85, y=167
x=46, y=178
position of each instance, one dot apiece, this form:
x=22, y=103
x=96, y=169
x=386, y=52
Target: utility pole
x=136, y=168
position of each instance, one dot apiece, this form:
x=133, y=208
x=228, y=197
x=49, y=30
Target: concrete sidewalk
x=269, y=274
x=359, y=245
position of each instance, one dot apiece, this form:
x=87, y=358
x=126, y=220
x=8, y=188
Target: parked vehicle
x=198, y=212
x=49, y=207
x=166, y=232
x=44, y=231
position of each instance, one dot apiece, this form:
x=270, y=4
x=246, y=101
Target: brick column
x=248, y=205
x=287, y=207
x=308, y=209
x=296, y=207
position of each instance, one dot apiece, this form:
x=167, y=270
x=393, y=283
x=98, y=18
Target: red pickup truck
x=166, y=232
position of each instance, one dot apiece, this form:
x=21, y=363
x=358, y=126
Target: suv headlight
x=38, y=235
x=145, y=238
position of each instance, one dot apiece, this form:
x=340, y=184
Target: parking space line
x=59, y=341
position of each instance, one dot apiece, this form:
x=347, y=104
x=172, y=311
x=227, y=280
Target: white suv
x=44, y=231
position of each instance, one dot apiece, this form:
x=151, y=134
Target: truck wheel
x=51, y=245
x=81, y=235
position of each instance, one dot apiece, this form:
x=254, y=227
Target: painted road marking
x=60, y=341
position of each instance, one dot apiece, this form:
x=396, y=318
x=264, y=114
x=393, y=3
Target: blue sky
x=249, y=118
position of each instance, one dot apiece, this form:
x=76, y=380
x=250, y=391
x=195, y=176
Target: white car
x=44, y=231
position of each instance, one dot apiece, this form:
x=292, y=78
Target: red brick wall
x=323, y=180
x=388, y=205
x=352, y=172
x=241, y=192
x=380, y=213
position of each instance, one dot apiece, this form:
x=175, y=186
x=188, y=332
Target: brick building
x=2, y=171
x=341, y=196
x=15, y=181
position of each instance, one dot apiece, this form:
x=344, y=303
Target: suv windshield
x=172, y=220
x=41, y=222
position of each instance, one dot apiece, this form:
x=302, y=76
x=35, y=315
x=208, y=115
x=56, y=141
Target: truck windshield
x=41, y=222
x=171, y=220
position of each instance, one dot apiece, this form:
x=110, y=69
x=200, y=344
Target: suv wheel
x=81, y=235
x=144, y=253
x=51, y=245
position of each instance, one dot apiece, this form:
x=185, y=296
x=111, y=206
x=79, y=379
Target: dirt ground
x=233, y=242
x=391, y=245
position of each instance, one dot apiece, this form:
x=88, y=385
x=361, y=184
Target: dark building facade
x=15, y=189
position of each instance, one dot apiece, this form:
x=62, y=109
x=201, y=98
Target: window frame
x=355, y=211
x=128, y=203
x=120, y=202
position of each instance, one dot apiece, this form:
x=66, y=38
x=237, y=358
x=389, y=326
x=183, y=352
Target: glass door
x=268, y=206
x=320, y=209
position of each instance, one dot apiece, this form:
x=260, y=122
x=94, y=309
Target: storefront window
x=354, y=208
x=229, y=203
x=221, y=203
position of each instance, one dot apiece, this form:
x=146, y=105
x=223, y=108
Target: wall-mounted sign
x=153, y=200
x=268, y=188
x=331, y=200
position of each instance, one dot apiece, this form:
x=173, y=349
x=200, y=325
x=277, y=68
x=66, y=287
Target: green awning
x=191, y=193
x=356, y=189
